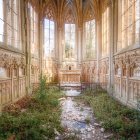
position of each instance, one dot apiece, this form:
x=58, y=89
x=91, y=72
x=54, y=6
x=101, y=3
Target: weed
x=87, y=120
x=117, y=118
x=42, y=115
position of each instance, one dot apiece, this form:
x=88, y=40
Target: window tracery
x=50, y=12
x=33, y=30
x=90, y=32
x=105, y=32
x=130, y=22
x=69, y=18
x=69, y=35
x=69, y=40
x=10, y=24
x=49, y=31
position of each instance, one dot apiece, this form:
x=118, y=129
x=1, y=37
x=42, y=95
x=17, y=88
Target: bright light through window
x=69, y=40
x=49, y=38
x=90, y=34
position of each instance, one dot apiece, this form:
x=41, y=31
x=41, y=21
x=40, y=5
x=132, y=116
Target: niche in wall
x=3, y=72
x=137, y=72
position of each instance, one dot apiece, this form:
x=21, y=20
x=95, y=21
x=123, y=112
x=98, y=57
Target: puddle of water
x=74, y=116
x=79, y=125
x=72, y=92
x=78, y=118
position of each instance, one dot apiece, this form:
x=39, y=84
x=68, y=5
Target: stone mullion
x=115, y=19
x=79, y=40
x=56, y=44
x=126, y=28
x=133, y=24
x=119, y=27
x=22, y=27
x=83, y=53
x=5, y=24
x=61, y=45
x=12, y=24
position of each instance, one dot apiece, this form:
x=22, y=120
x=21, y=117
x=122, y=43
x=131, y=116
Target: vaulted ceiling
x=81, y=9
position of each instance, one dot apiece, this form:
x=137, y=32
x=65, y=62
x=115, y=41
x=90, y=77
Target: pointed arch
x=50, y=10
x=88, y=12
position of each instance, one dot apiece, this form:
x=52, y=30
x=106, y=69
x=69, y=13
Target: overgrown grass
x=36, y=120
x=122, y=121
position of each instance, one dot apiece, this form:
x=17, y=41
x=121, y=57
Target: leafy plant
x=42, y=90
x=42, y=115
x=119, y=119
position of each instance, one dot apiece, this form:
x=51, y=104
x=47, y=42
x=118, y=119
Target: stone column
x=27, y=49
x=98, y=45
x=60, y=46
x=111, y=71
x=56, y=43
x=41, y=46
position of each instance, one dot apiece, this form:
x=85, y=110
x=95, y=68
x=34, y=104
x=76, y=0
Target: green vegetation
x=87, y=120
x=35, y=117
x=120, y=120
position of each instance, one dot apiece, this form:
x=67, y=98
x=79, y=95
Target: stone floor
x=79, y=121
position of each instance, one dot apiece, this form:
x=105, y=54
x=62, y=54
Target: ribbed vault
x=81, y=9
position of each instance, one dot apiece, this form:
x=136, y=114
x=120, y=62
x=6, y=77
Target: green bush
x=42, y=90
x=121, y=120
x=42, y=115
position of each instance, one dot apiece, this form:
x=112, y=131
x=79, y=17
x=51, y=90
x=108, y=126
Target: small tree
x=42, y=91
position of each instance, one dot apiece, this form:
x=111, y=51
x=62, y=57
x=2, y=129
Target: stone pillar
x=27, y=49
x=98, y=45
x=111, y=71
x=41, y=46
x=61, y=45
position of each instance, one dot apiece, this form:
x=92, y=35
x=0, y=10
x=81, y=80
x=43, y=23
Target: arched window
x=70, y=34
x=69, y=40
x=10, y=32
x=33, y=30
x=105, y=32
x=90, y=33
x=130, y=14
x=49, y=30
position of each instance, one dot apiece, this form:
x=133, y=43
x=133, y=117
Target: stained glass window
x=90, y=33
x=49, y=37
x=69, y=40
